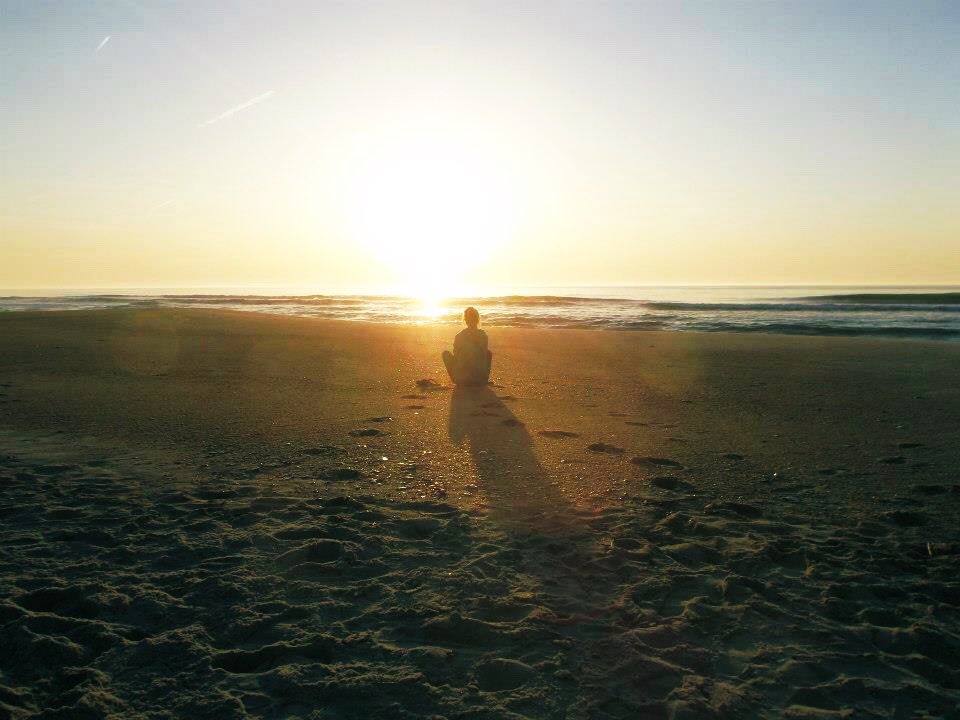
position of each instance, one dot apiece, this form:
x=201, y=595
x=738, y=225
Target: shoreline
x=764, y=310
x=456, y=322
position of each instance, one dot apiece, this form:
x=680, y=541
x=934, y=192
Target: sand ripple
x=234, y=600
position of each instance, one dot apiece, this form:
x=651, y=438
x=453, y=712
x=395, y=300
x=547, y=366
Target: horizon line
x=470, y=290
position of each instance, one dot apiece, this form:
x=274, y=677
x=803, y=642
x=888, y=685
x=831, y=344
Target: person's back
x=469, y=364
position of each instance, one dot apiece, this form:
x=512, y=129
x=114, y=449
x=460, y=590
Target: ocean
x=903, y=312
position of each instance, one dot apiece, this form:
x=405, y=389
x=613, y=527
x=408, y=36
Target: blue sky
x=313, y=143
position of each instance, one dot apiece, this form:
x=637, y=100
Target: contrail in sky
x=102, y=43
x=159, y=206
x=238, y=108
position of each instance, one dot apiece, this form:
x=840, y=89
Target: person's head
x=471, y=317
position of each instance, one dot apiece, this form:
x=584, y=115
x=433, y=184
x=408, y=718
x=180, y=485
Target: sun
x=428, y=209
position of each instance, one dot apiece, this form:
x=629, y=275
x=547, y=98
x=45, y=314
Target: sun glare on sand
x=427, y=208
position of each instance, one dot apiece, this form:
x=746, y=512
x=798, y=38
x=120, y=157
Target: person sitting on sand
x=469, y=363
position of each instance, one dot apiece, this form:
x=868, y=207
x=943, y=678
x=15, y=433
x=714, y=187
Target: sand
x=227, y=515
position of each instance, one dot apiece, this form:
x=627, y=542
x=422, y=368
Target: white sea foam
x=912, y=312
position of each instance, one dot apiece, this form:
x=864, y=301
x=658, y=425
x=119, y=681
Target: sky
x=438, y=144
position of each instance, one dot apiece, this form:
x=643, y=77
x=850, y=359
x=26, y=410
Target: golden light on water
x=431, y=308
x=432, y=299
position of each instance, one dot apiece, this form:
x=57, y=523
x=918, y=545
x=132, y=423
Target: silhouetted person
x=469, y=363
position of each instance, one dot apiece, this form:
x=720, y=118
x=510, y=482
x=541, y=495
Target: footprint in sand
x=733, y=456
x=508, y=398
x=600, y=447
x=666, y=482
x=366, y=432
x=323, y=450
x=904, y=518
x=834, y=471
x=943, y=549
x=659, y=462
x=68, y=602
x=496, y=674
x=511, y=422
x=894, y=460
x=414, y=407
x=343, y=474
x=637, y=423
x=735, y=508
x=930, y=489
x=558, y=434
x=431, y=385
x=53, y=469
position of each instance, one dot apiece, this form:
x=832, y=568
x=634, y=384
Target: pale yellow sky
x=441, y=144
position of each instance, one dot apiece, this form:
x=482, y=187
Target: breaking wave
x=930, y=315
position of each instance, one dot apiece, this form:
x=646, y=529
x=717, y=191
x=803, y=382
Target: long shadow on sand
x=557, y=544
x=517, y=486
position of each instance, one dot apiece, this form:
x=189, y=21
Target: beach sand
x=230, y=515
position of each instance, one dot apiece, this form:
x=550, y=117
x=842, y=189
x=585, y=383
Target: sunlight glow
x=427, y=208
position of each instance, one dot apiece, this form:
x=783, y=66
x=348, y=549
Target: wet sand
x=230, y=515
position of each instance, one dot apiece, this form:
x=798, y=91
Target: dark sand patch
x=736, y=508
x=904, y=518
x=600, y=447
x=830, y=471
x=666, y=482
x=343, y=474
x=557, y=434
x=931, y=489
x=655, y=462
x=324, y=451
